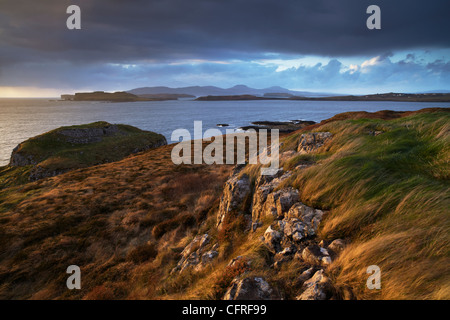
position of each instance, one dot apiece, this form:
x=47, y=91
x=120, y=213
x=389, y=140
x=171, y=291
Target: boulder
x=311, y=142
x=194, y=254
x=206, y=259
x=316, y=255
x=272, y=239
x=316, y=288
x=294, y=229
x=309, y=217
x=287, y=155
x=251, y=288
x=337, y=245
x=196, y=244
x=305, y=275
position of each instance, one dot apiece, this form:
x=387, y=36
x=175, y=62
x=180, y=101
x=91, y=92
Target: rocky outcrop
x=272, y=238
x=251, y=288
x=89, y=135
x=300, y=222
x=195, y=255
x=316, y=255
x=310, y=142
x=262, y=204
x=291, y=235
x=76, y=135
x=316, y=288
x=19, y=159
x=236, y=191
x=308, y=217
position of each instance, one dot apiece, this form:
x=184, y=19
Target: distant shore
x=405, y=97
x=123, y=96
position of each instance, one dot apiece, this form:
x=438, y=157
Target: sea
x=21, y=119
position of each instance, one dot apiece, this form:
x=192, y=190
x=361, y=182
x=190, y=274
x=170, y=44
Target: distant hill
x=199, y=91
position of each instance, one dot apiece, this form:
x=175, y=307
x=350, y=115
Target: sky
x=314, y=45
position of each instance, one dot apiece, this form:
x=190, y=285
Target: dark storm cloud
x=165, y=30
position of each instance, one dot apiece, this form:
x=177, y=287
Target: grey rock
x=234, y=194
x=279, y=202
x=316, y=288
x=272, y=239
x=315, y=255
x=311, y=142
x=337, y=245
x=309, y=216
x=194, y=256
x=263, y=187
x=305, y=275
x=251, y=288
x=294, y=229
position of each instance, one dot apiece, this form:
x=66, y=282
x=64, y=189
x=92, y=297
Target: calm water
x=21, y=119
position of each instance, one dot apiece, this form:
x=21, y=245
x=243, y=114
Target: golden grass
x=101, y=218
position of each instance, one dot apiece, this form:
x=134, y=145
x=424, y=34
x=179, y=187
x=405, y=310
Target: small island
x=79, y=146
x=121, y=96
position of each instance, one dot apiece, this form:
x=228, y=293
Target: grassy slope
x=127, y=222
x=124, y=223
x=389, y=194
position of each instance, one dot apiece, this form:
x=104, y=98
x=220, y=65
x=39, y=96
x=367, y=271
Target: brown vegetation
x=112, y=220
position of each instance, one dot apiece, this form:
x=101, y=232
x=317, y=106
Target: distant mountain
x=199, y=91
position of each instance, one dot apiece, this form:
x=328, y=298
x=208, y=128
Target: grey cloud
x=178, y=29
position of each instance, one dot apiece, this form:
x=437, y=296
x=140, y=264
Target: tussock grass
x=101, y=218
x=388, y=194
